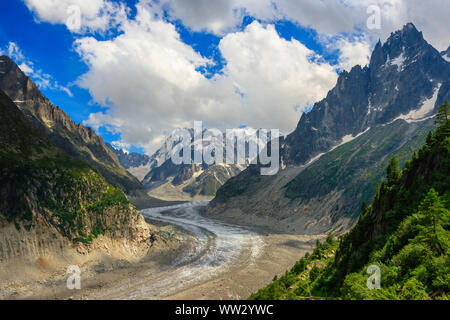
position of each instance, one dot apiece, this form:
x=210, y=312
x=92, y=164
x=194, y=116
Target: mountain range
x=137, y=164
x=66, y=193
x=195, y=181
x=338, y=152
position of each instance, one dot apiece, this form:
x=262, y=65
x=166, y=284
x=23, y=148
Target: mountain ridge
x=404, y=234
x=405, y=75
x=362, y=97
x=47, y=193
x=76, y=139
x=198, y=181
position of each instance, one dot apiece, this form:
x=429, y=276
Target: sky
x=135, y=70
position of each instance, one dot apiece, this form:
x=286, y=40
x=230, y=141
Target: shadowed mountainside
x=77, y=140
x=338, y=151
x=47, y=194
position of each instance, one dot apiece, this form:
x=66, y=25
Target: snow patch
x=348, y=138
x=424, y=112
x=399, y=61
x=345, y=139
x=446, y=58
x=315, y=158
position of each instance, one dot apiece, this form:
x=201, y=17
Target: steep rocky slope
x=77, y=140
x=371, y=114
x=405, y=233
x=402, y=73
x=446, y=54
x=50, y=201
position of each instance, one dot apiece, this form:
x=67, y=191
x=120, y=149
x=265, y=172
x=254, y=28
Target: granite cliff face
x=339, y=150
x=77, y=140
x=401, y=73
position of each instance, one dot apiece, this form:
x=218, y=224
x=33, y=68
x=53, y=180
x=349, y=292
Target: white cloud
x=328, y=17
x=352, y=52
x=278, y=78
x=13, y=51
x=79, y=15
x=121, y=146
x=25, y=68
x=149, y=80
x=216, y=16
x=220, y=17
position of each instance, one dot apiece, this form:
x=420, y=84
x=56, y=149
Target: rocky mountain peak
x=378, y=57
x=16, y=84
x=402, y=45
x=405, y=74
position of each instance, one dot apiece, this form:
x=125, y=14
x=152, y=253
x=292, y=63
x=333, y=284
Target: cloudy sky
x=134, y=70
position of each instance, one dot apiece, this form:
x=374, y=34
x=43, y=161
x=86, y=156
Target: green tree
x=443, y=114
x=435, y=214
x=393, y=171
x=443, y=120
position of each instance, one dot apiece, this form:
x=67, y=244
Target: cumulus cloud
x=351, y=52
x=328, y=17
x=214, y=16
x=277, y=78
x=149, y=80
x=219, y=17
x=79, y=15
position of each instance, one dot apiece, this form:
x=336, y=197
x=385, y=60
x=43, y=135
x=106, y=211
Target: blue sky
x=212, y=51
